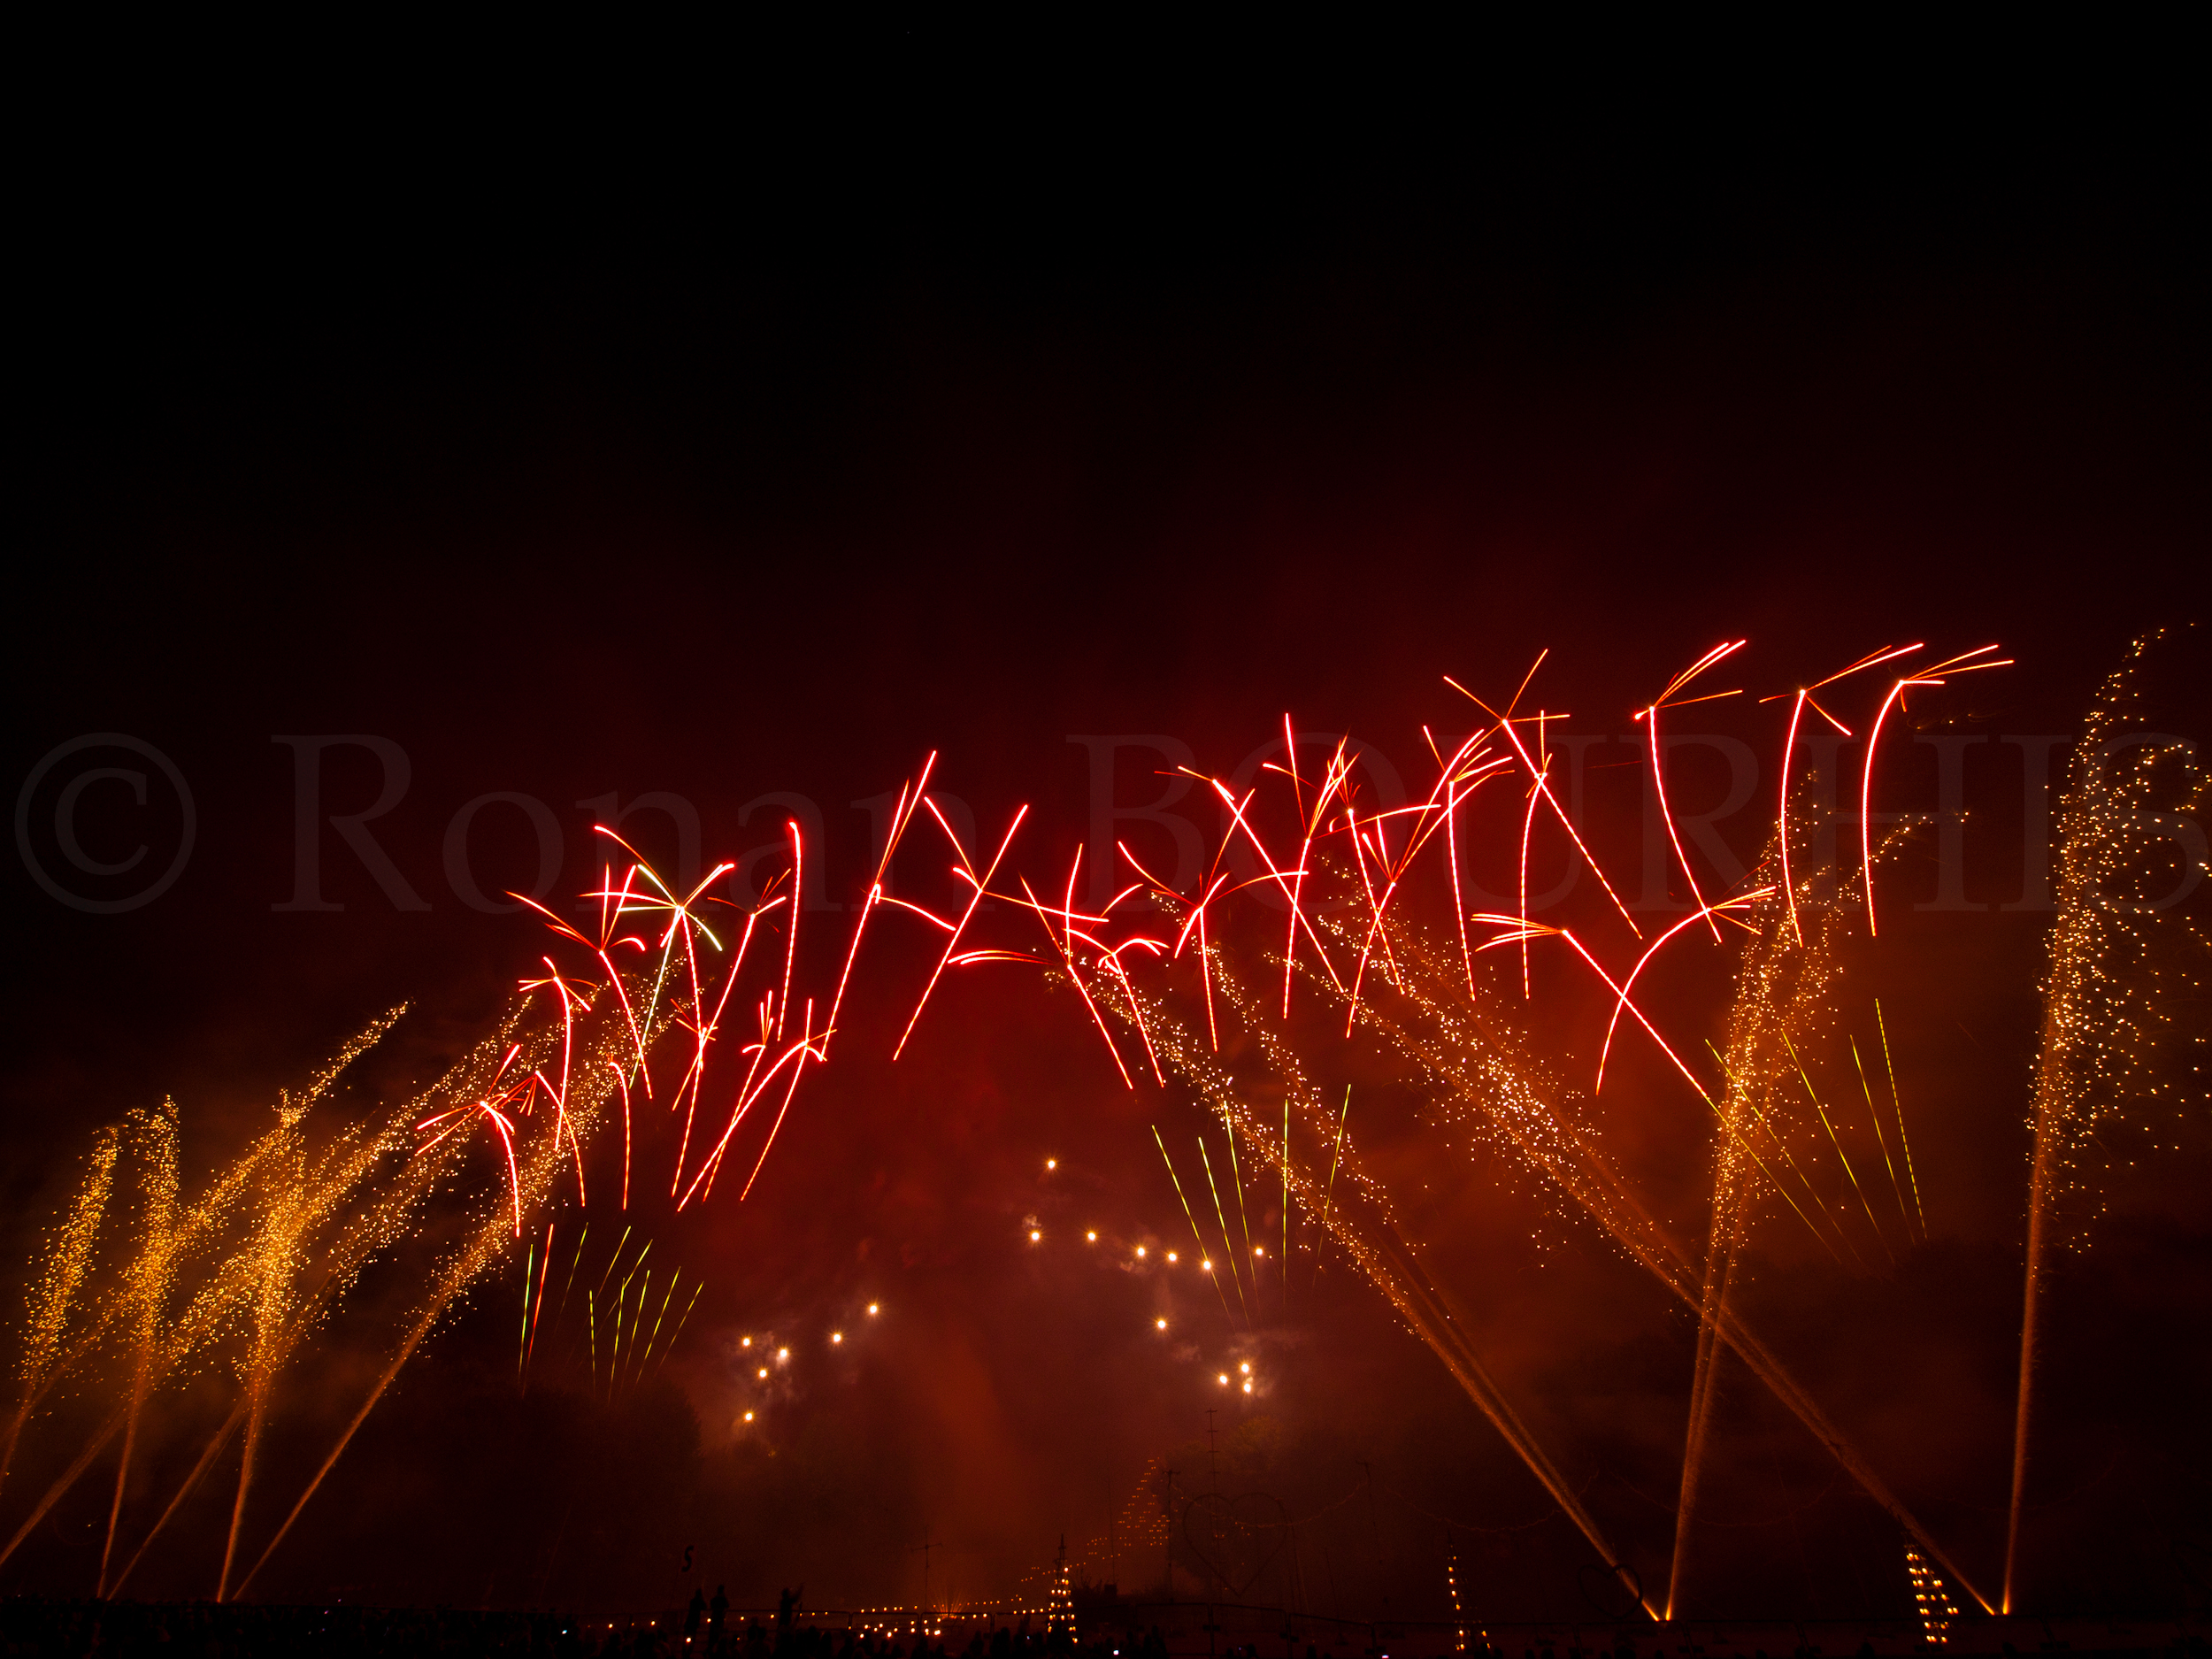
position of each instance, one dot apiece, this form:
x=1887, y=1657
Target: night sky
x=566, y=474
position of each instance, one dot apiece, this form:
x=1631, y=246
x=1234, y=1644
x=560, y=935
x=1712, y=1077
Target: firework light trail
x=155, y=1153
x=227, y=1283
x=1358, y=944
x=2119, y=831
x=269, y=1251
x=1780, y=978
x=167, y=1243
x=46, y=1352
x=1334, y=889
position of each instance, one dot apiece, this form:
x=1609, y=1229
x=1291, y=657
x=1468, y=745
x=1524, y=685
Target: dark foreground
x=200, y=1630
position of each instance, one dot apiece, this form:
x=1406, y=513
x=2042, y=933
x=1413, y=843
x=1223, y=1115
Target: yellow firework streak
x=1845, y=1157
x=1881, y=1141
x=1898, y=1107
x=1227, y=1248
x=1197, y=1238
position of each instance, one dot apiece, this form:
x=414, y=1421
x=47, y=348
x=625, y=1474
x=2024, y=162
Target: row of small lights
x=783, y=1355
x=1205, y=1265
x=1090, y=1236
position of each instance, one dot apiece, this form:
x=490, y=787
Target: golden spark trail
x=1563, y=1154
x=208, y=1313
x=232, y=1282
x=490, y=1237
x=2099, y=1018
x=2050, y=1103
x=276, y=1263
x=540, y=1168
x=308, y=1222
x=151, y=1273
x=67, y=1259
x=1723, y=1250
x=1777, y=990
x=216, y=1442
x=1389, y=1264
x=267, y=1252
x=1724, y=1241
x=1480, y=1074
x=298, y=1199
x=1476, y=1064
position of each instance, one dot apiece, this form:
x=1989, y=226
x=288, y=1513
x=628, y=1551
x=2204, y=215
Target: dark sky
x=753, y=461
